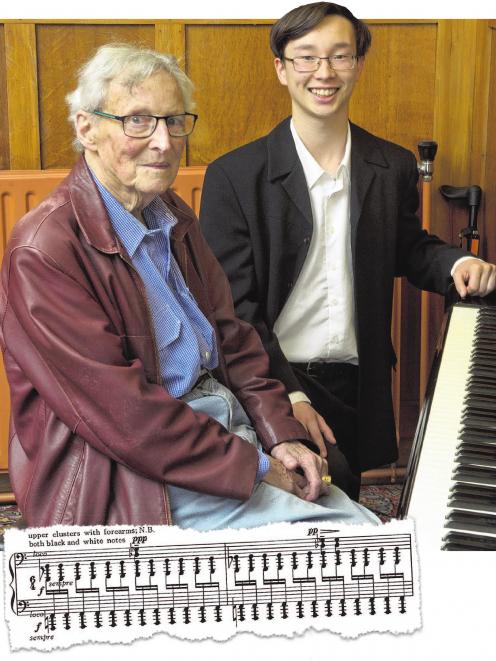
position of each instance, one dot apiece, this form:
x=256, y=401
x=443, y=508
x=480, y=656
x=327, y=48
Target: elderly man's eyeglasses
x=307, y=63
x=143, y=126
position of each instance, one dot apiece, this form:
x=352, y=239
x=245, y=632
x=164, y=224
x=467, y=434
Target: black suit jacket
x=257, y=218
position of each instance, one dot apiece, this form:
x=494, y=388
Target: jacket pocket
x=167, y=327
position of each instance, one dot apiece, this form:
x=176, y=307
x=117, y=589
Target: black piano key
x=472, y=504
x=471, y=459
x=479, y=403
x=481, y=373
x=474, y=452
x=480, y=423
x=458, y=541
x=484, y=340
x=450, y=546
x=471, y=521
x=484, y=358
x=484, y=335
x=475, y=475
x=476, y=382
x=473, y=377
x=470, y=416
x=484, y=449
x=477, y=438
x=478, y=389
x=475, y=491
x=477, y=418
x=485, y=348
x=478, y=450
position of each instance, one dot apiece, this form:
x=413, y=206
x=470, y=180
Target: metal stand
x=427, y=151
x=472, y=196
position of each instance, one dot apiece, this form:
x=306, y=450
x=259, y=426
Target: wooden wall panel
x=22, y=93
x=238, y=95
x=394, y=96
x=57, y=77
x=488, y=224
x=170, y=37
x=4, y=116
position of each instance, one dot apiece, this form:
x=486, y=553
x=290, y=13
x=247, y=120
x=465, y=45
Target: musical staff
x=285, y=582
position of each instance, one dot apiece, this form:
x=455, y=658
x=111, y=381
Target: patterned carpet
x=382, y=500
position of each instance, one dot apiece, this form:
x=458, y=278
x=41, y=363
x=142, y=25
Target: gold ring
x=326, y=479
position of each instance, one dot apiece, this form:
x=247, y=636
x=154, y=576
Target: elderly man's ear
x=86, y=129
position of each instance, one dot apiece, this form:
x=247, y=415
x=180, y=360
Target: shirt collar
x=128, y=228
x=312, y=170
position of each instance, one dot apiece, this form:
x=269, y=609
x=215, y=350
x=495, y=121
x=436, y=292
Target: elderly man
x=114, y=314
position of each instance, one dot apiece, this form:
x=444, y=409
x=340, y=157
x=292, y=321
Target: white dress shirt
x=317, y=323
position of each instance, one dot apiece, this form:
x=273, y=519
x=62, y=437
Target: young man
x=312, y=223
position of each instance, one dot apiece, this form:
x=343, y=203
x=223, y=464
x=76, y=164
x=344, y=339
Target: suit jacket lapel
x=284, y=164
x=365, y=154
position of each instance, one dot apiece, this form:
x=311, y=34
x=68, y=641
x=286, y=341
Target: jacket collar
x=92, y=217
x=282, y=156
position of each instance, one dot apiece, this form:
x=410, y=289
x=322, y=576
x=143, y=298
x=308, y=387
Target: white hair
x=133, y=65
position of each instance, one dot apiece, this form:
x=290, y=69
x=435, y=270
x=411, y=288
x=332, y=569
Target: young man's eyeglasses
x=307, y=63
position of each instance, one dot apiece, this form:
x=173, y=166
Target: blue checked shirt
x=184, y=337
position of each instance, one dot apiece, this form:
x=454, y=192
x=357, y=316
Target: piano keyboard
x=451, y=486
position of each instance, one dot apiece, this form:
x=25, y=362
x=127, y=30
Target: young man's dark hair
x=301, y=20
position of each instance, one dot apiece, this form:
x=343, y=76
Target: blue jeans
x=267, y=504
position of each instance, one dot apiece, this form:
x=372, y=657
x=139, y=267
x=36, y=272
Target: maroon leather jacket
x=94, y=438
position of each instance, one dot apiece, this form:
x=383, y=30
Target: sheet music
x=68, y=585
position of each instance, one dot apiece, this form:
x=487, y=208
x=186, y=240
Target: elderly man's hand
x=293, y=455
x=279, y=476
x=473, y=277
x=315, y=425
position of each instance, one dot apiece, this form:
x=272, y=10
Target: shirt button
x=207, y=355
x=334, y=339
